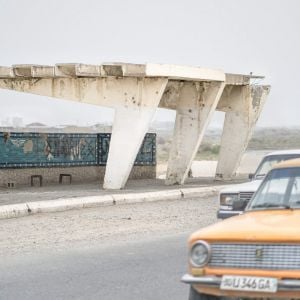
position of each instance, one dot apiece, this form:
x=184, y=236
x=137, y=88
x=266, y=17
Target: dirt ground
x=207, y=168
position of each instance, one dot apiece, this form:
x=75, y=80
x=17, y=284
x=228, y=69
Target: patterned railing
x=27, y=150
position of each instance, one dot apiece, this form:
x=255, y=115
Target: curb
x=64, y=204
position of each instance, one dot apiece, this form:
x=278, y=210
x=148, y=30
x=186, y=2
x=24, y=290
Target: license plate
x=249, y=284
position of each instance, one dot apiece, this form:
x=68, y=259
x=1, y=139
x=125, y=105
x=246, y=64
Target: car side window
x=295, y=193
x=274, y=191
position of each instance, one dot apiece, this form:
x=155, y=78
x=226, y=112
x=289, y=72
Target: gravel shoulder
x=104, y=226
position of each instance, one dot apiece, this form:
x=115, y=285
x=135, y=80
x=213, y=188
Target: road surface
x=138, y=270
x=131, y=252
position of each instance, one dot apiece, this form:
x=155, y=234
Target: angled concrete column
x=131, y=123
x=243, y=105
x=196, y=103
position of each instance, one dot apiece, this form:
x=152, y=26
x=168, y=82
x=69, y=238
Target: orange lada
x=254, y=255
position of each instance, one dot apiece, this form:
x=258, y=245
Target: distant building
x=36, y=125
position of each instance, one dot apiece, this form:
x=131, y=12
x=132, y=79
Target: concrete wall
x=87, y=174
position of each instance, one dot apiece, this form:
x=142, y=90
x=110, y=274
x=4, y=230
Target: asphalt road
x=133, y=251
x=138, y=270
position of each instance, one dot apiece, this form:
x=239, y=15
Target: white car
x=234, y=199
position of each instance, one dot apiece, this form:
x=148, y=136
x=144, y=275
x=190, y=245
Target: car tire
x=194, y=295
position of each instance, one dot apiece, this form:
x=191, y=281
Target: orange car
x=254, y=255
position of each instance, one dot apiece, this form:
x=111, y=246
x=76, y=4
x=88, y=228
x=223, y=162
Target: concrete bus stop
x=135, y=91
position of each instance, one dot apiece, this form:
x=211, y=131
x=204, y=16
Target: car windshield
x=280, y=189
x=268, y=162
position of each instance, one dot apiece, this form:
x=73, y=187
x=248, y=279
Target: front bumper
x=215, y=281
x=224, y=214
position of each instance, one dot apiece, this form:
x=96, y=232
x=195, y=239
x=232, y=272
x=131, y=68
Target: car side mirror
x=251, y=176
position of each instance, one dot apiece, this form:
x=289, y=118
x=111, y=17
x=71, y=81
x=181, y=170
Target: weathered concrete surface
x=129, y=89
x=180, y=72
x=131, y=123
x=6, y=72
x=195, y=107
x=243, y=105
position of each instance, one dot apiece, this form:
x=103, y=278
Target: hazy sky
x=260, y=36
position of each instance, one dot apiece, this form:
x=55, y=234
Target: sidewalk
x=25, y=201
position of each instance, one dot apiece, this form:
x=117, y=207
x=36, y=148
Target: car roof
x=291, y=163
x=282, y=152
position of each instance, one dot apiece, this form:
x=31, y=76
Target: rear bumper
x=224, y=214
x=215, y=281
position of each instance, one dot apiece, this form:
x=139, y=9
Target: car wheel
x=194, y=295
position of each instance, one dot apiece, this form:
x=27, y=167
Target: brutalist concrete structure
x=135, y=91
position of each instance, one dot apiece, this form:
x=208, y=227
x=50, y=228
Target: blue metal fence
x=27, y=150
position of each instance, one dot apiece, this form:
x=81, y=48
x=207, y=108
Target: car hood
x=250, y=186
x=254, y=226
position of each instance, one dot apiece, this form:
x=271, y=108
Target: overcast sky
x=260, y=36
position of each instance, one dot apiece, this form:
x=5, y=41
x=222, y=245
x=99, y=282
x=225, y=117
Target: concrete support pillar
x=131, y=123
x=195, y=106
x=243, y=105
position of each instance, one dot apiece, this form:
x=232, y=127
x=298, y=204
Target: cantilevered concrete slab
x=135, y=91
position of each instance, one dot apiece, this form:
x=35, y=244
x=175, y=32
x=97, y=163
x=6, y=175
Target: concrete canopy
x=135, y=91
